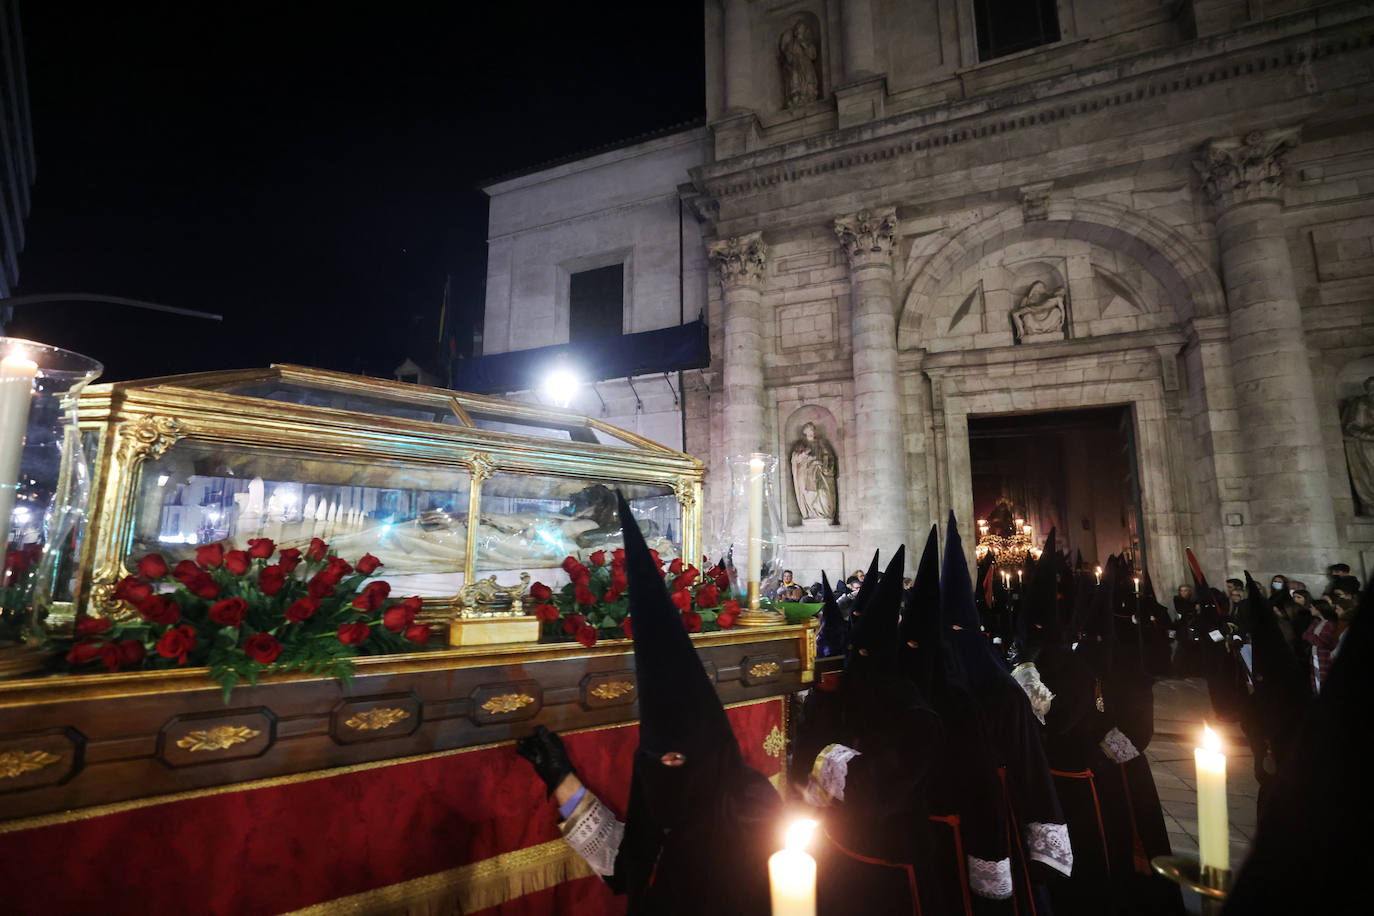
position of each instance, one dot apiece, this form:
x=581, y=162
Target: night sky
x=309, y=170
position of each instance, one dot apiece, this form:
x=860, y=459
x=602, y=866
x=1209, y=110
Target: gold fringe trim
x=466, y=889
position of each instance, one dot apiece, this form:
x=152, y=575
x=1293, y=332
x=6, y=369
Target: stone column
x=737, y=56
x=856, y=17
x=879, y=518
x=1290, y=526
x=739, y=262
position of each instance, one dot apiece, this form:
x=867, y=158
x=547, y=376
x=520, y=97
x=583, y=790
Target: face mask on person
x=1278, y=585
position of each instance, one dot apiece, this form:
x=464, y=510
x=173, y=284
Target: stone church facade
x=1162, y=206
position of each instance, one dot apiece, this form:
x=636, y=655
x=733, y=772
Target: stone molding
x=1035, y=200
x=867, y=236
x=1237, y=170
x=739, y=260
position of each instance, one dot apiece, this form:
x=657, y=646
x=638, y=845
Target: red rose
x=302, y=609
x=612, y=594
x=682, y=599
x=572, y=623
x=316, y=551
x=721, y=578
x=368, y=564
x=583, y=595
x=152, y=566
x=131, y=652
x=418, y=633
x=210, y=555
x=321, y=586
x=260, y=548
x=663, y=573
x=372, y=597
x=587, y=636
x=92, y=626
x=229, y=612
x=415, y=603
x=598, y=558
x=692, y=621
x=160, y=609
x=289, y=559
x=185, y=571
x=262, y=647
x=674, y=567
x=618, y=580
x=397, y=618
x=707, y=596
x=569, y=564
x=546, y=612
x=111, y=656
x=202, y=586
x=540, y=592
x=176, y=643
x=134, y=591
x=237, y=562
x=629, y=630
x=729, y=612
x=351, y=634
x=84, y=652
x=271, y=579
x=618, y=558
x=686, y=580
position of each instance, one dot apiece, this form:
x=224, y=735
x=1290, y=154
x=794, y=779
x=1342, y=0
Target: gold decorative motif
x=147, y=437
x=764, y=669
x=684, y=488
x=218, y=738
x=774, y=744
x=17, y=763
x=612, y=689
x=484, y=598
x=481, y=466
x=377, y=717
x=507, y=702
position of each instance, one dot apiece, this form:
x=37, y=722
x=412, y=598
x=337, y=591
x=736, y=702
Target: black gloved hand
x=544, y=750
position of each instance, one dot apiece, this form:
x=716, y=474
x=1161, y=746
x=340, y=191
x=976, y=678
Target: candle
x=1136, y=580
x=1098, y=572
x=1018, y=578
x=755, y=527
x=792, y=873
x=1213, y=836
x=17, y=373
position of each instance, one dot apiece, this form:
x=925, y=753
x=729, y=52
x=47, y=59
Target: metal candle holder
x=1211, y=884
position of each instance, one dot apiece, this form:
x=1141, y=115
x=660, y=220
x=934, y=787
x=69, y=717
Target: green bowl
x=797, y=611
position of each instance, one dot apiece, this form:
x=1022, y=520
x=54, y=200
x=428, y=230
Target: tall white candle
x=17, y=373
x=755, y=521
x=792, y=873
x=1213, y=834
x=1098, y=572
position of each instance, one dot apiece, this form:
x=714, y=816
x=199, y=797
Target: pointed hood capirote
x=1038, y=623
x=873, y=631
x=865, y=589
x=832, y=638
x=919, y=644
x=678, y=706
x=959, y=617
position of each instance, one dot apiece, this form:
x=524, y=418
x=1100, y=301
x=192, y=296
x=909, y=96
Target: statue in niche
x=1039, y=313
x=814, y=472
x=1357, y=423
x=797, y=47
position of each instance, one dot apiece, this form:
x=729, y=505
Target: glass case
x=370, y=466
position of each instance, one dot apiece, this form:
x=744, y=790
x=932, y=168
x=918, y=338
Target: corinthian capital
x=739, y=261
x=1241, y=169
x=867, y=235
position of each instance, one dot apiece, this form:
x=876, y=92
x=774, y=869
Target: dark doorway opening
x=1074, y=470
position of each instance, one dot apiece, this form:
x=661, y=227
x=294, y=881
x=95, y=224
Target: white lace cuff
x=1040, y=696
x=990, y=879
x=1049, y=844
x=594, y=834
x=1118, y=747
x=828, y=774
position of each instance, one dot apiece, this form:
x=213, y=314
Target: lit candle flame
x=799, y=834
x=1211, y=740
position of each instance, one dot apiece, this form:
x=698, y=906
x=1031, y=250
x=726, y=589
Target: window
x=596, y=303
x=1008, y=26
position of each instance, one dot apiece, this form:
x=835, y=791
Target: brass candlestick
x=1209, y=883
x=755, y=616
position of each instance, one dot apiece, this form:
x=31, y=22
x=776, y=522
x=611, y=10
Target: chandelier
x=1008, y=551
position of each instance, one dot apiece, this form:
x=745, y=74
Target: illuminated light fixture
x=561, y=385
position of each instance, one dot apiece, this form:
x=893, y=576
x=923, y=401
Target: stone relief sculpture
x=1040, y=313
x=797, y=47
x=1357, y=423
x=815, y=470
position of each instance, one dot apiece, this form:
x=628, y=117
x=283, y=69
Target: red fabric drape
x=283, y=847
